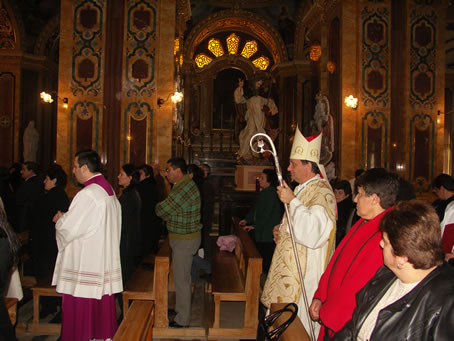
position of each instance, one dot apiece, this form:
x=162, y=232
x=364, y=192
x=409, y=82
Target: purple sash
x=101, y=181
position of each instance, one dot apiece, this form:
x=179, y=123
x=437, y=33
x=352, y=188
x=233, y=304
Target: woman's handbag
x=266, y=323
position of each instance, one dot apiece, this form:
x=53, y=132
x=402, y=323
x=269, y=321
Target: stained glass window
x=202, y=60
x=232, y=43
x=261, y=63
x=249, y=48
x=215, y=46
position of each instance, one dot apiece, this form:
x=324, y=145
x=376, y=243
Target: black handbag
x=266, y=323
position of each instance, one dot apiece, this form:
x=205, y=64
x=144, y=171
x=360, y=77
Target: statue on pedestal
x=30, y=140
x=259, y=106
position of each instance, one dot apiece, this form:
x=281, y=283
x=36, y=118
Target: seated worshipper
x=412, y=296
x=343, y=195
x=358, y=256
x=151, y=225
x=130, y=242
x=9, y=256
x=43, y=245
x=88, y=270
x=266, y=213
x=443, y=188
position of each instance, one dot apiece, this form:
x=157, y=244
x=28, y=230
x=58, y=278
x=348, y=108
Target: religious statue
x=323, y=121
x=258, y=107
x=30, y=140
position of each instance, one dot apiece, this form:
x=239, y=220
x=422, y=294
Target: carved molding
x=242, y=21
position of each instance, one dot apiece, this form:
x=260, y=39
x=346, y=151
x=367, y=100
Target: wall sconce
x=331, y=67
x=351, y=102
x=316, y=52
x=177, y=97
x=47, y=98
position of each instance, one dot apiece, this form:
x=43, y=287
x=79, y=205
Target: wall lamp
x=47, y=98
x=177, y=97
x=351, y=102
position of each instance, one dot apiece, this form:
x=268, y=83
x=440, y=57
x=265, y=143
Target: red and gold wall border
x=7, y=117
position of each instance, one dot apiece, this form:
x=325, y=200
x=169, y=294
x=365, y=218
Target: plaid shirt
x=181, y=209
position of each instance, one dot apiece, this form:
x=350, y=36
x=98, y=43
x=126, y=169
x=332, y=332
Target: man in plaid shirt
x=181, y=211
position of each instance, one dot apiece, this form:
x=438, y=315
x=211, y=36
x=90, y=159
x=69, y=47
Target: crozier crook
x=261, y=149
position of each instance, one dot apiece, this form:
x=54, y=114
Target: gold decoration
x=181, y=60
x=233, y=41
x=176, y=46
x=249, y=49
x=202, y=60
x=316, y=52
x=215, y=46
x=261, y=63
x=331, y=67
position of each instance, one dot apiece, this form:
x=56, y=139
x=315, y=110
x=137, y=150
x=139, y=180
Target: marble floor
x=231, y=317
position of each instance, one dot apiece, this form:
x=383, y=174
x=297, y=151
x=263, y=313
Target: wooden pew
x=296, y=329
x=43, y=289
x=151, y=284
x=138, y=323
x=11, y=306
x=236, y=277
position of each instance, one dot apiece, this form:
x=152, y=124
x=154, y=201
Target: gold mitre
x=306, y=148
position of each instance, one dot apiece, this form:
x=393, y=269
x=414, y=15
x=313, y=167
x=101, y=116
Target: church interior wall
x=375, y=51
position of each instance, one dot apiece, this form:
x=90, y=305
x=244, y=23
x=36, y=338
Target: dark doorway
x=224, y=106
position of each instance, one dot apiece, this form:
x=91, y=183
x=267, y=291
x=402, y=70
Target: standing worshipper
x=88, y=270
x=27, y=195
x=343, y=195
x=358, y=256
x=131, y=204
x=313, y=212
x=151, y=225
x=266, y=213
x=9, y=256
x=181, y=211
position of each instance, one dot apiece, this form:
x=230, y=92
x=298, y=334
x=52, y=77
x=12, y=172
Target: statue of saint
x=30, y=139
x=258, y=107
x=323, y=121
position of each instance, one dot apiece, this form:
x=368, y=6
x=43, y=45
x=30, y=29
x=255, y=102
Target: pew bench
x=150, y=282
x=43, y=288
x=138, y=322
x=236, y=277
x=11, y=306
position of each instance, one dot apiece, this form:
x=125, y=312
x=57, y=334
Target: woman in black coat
x=130, y=243
x=9, y=247
x=42, y=235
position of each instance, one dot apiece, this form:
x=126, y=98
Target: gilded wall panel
x=374, y=140
x=139, y=80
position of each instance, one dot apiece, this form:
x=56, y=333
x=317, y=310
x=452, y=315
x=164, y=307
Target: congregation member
x=261, y=219
x=446, y=193
x=131, y=236
x=443, y=188
x=181, y=211
x=27, y=196
x=88, y=271
x=9, y=257
x=151, y=231
x=207, y=193
x=358, y=256
x=312, y=208
x=42, y=235
x=412, y=296
x=343, y=195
